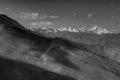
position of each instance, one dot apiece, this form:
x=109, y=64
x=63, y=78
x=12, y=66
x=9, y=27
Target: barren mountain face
x=31, y=55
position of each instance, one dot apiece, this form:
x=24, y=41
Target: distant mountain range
x=94, y=29
x=57, y=54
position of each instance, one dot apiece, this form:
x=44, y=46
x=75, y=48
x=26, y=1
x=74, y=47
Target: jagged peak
x=94, y=29
x=70, y=29
x=98, y=30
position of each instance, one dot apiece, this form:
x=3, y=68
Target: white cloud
x=41, y=24
x=35, y=16
x=90, y=15
x=48, y=17
x=43, y=16
x=46, y=23
x=29, y=16
x=7, y=8
x=53, y=17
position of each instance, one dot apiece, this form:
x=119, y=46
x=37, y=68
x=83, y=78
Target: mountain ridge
x=95, y=30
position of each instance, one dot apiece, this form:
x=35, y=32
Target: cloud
x=41, y=24
x=7, y=8
x=43, y=16
x=29, y=16
x=89, y=15
x=53, y=17
x=35, y=16
x=48, y=17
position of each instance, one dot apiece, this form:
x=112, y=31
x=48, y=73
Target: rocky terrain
x=34, y=54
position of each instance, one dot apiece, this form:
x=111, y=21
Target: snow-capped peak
x=68, y=29
x=95, y=29
x=98, y=30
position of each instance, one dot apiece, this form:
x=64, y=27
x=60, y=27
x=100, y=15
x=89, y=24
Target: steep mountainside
x=27, y=54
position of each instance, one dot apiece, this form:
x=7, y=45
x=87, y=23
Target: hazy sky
x=104, y=13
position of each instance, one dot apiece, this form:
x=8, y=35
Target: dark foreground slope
x=28, y=55
x=14, y=70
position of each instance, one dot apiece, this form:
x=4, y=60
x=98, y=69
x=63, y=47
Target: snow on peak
x=98, y=30
x=94, y=29
x=68, y=29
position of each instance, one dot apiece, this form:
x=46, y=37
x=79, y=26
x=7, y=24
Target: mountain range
x=94, y=29
x=34, y=54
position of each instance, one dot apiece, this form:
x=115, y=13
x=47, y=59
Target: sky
x=57, y=13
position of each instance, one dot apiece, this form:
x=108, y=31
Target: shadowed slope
x=14, y=70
